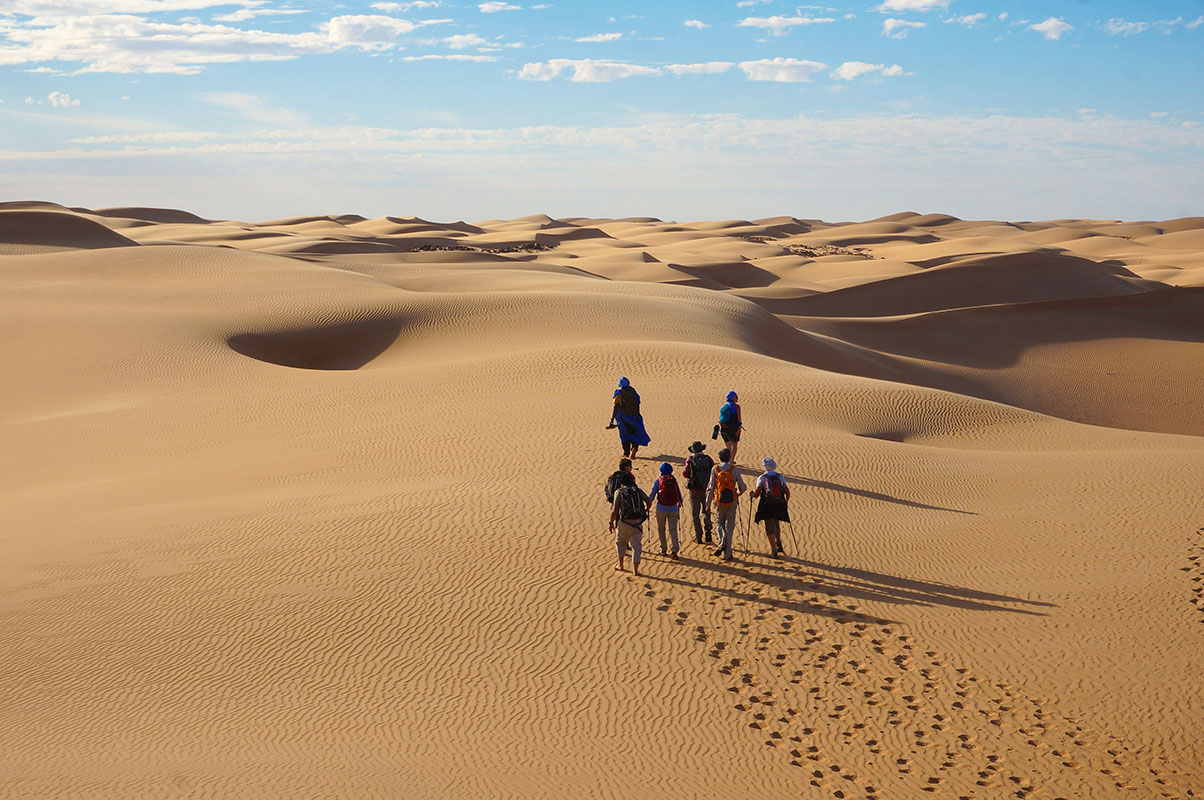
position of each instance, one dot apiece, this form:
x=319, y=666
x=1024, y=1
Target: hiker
x=626, y=417
x=697, y=472
x=730, y=423
x=774, y=494
x=612, y=483
x=627, y=515
x=723, y=491
x=667, y=496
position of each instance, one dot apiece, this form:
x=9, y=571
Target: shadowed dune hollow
x=312, y=507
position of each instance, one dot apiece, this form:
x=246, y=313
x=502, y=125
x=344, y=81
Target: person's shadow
x=800, y=480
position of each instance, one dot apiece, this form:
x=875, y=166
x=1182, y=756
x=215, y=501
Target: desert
x=313, y=507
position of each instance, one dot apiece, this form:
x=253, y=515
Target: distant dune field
x=313, y=507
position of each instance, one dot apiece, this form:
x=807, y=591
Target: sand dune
x=312, y=507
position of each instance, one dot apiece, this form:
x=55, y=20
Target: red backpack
x=668, y=494
x=773, y=487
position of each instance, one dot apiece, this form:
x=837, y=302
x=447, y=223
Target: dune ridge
x=312, y=507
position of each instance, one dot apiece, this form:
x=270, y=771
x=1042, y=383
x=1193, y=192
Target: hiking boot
x=673, y=556
x=698, y=540
x=718, y=551
x=708, y=539
x=664, y=552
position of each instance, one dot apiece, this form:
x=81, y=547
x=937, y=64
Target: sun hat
x=697, y=447
x=770, y=464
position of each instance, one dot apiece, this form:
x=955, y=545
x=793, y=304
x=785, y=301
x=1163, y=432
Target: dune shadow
x=817, y=483
x=345, y=346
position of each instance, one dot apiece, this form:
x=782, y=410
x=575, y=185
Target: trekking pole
x=747, y=526
x=793, y=539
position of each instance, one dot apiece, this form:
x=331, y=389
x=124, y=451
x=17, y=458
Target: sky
x=258, y=109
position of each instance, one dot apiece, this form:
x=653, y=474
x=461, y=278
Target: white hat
x=770, y=464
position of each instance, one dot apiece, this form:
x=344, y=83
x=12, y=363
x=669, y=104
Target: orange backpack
x=725, y=486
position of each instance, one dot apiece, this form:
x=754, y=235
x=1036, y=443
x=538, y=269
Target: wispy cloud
x=585, y=70
x=1119, y=27
x=600, y=37
x=494, y=7
x=462, y=40
x=695, y=23
x=252, y=107
x=244, y=14
x=704, y=68
x=781, y=25
x=404, y=7
x=781, y=70
x=969, y=20
x=899, y=28
x=1052, y=28
x=61, y=100
x=893, y=6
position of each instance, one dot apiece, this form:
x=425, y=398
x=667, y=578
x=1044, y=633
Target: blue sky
x=264, y=108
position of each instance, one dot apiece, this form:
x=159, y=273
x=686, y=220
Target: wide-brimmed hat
x=770, y=464
x=697, y=447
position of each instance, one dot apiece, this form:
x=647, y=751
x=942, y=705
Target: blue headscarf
x=731, y=396
x=624, y=383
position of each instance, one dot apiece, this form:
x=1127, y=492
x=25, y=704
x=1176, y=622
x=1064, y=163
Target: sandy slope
x=312, y=507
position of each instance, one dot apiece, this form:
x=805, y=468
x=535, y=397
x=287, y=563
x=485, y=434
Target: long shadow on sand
x=800, y=577
x=800, y=480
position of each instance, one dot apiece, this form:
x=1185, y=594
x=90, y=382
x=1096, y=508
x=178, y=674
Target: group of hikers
x=714, y=489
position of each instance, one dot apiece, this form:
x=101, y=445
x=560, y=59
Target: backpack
x=629, y=401
x=725, y=486
x=612, y=484
x=700, y=472
x=773, y=487
x=668, y=494
x=729, y=414
x=631, y=506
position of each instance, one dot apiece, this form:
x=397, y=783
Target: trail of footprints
x=832, y=690
x=1195, y=571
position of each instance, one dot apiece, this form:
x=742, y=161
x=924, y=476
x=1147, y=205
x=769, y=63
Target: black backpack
x=700, y=472
x=631, y=505
x=629, y=401
x=612, y=484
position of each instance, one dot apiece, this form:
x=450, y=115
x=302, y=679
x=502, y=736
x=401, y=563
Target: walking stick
x=747, y=525
x=793, y=539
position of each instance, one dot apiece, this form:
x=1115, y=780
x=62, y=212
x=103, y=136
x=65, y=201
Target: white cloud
x=850, y=70
x=705, y=68
x=781, y=25
x=695, y=23
x=747, y=3
x=781, y=70
x=1119, y=27
x=1003, y=15
x=494, y=7
x=601, y=37
x=403, y=7
x=61, y=100
x=125, y=43
x=1052, y=28
x=898, y=28
x=368, y=31
x=970, y=20
x=252, y=107
x=463, y=40
x=585, y=70
x=450, y=57
x=1195, y=23
x=889, y=6
x=244, y=14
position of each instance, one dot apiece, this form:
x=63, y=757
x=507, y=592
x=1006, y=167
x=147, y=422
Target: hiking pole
x=748, y=523
x=793, y=539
